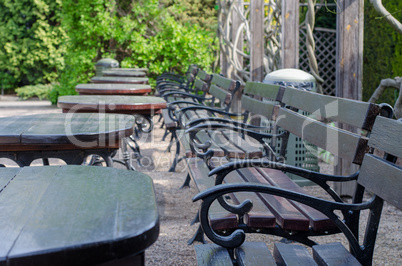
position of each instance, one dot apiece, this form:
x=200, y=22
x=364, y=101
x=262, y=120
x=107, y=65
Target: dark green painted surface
x=110, y=99
x=65, y=128
x=75, y=215
x=112, y=86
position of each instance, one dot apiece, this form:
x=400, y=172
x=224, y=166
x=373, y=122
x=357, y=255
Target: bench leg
x=196, y=219
x=186, y=182
x=199, y=237
x=176, y=156
x=165, y=134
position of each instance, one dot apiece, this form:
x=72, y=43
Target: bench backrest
x=222, y=90
x=202, y=82
x=382, y=176
x=259, y=99
x=307, y=115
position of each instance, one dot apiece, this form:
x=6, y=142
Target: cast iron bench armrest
x=206, y=120
x=235, y=239
x=184, y=95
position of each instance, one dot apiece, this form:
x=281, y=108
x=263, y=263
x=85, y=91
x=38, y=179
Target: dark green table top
x=113, y=89
x=77, y=129
x=112, y=104
x=124, y=80
x=74, y=215
x=129, y=69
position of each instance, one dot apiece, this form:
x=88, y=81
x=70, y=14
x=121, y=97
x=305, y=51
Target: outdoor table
x=112, y=89
x=121, y=80
x=142, y=107
x=70, y=137
x=76, y=215
x=125, y=73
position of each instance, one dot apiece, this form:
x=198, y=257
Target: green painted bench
x=214, y=94
x=219, y=141
x=380, y=176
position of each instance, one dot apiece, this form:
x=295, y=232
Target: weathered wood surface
x=59, y=220
x=212, y=254
x=333, y=254
x=285, y=254
x=111, y=88
x=290, y=31
x=254, y=253
x=123, y=80
x=112, y=104
x=63, y=131
x=257, y=40
x=126, y=73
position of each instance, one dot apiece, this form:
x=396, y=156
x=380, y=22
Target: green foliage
x=136, y=33
x=31, y=42
x=41, y=91
x=382, y=54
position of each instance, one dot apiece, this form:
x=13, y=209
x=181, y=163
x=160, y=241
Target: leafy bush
x=136, y=33
x=31, y=42
x=40, y=90
x=382, y=54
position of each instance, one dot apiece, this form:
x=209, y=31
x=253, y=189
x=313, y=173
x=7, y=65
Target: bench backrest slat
x=267, y=91
x=339, y=142
x=352, y=112
x=223, y=89
x=255, y=106
x=387, y=136
x=382, y=177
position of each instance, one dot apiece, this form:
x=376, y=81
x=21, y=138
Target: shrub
x=136, y=33
x=31, y=42
x=41, y=91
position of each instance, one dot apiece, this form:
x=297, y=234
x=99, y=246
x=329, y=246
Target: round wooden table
x=126, y=73
x=76, y=215
x=145, y=105
x=113, y=89
x=122, y=80
x=70, y=137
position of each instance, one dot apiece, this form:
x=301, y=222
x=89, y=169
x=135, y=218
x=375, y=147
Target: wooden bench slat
x=318, y=221
x=258, y=107
x=212, y=254
x=230, y=150
x=348, y=111
x=251, y=151
x=285, y=254
x=254, y=253
x=333, y=254
x=287, y=216
x=337, y=141
x=382, y=178
x=268, y=91
x=389, y=140
x=219, y=217
x=259, y=216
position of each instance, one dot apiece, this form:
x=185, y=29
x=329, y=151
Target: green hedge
x=136, y=33
x=31, y=42
x=382, y=54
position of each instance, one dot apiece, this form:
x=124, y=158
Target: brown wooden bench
x=380, y=176
x=212, y=94
x=272, y=215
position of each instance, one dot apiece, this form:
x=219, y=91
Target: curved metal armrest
x=206, y=120
x=237, y=237
x=184, y=94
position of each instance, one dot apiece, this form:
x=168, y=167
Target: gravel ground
x=177, y=210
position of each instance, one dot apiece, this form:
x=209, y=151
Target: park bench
x=379, y=175
x=282, y=105
x=213, y=94
x=172, y=81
